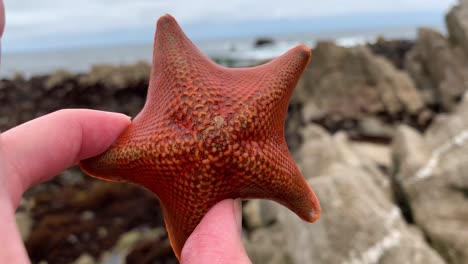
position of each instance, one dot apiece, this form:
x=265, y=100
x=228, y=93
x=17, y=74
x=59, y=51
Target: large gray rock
x=85, y=259
x=317, y=151
x=372, y=127
x=457, y=24
x=337, y=76
x=321, y=150
x=259, y=213
x=436, y=181
x=409, y=150
x=439, y=69
x=25, y=223
x=376, y=153
x=128, y=240
x=358, y=225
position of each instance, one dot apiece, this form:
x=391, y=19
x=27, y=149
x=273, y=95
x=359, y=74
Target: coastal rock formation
x=433, y=176
x=117, y=77
x=359, y=225
x=394, y=50
x=88, y=217
x=439, y=65
x=457, y=24
x=347, y=84
x=320, y=151
x=439, y=69
x=112, y=88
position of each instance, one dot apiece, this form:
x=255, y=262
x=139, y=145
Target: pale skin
x=38, y=150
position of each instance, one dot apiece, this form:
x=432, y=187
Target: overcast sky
x=37, y=21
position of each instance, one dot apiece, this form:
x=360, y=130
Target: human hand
x=37, y=150
x=40, y=149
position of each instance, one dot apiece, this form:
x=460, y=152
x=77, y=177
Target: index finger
x=40, y=149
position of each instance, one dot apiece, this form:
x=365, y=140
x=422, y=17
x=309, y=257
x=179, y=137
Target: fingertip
x=217, y=239
x=118, y=116
x=41, y=148
x=99, y=128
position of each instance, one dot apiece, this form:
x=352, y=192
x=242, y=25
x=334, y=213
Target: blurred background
x=378, y=123
x=43, y=36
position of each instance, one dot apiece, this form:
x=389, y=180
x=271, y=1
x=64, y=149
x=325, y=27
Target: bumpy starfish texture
x=207, y=133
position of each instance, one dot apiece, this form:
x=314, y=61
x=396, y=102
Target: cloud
x=31, y=19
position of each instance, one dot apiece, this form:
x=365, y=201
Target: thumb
x=217, y=238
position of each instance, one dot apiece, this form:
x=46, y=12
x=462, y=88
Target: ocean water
x=230, y=52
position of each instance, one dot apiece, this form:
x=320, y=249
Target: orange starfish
x=207, y=133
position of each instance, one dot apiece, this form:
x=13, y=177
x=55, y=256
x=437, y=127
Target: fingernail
x=238, y=213
x=129, y=117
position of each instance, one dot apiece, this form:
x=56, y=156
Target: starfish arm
x=272, y=174
x=181, y=219
x=140, y=156
x=177, y=64
x=272, y=97
x=117, y=163
x=263, y=107
x=188, y=198
x=172, y=48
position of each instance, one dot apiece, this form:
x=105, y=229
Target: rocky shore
x=380, y=131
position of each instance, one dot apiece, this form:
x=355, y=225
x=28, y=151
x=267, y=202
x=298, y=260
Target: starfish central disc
x=208, y=133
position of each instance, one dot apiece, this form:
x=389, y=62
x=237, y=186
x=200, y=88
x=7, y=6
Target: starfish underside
x=207, y=133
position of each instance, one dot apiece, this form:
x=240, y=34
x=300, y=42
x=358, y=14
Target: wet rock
x=112, y=88
x=393, y=50
x=377, y=153
x=310, y=112
x=267, y=245
x=439, y=69
x=317, y=151
x=321, y=150
x=358, y=225
x=151, y=251
x=117, y=77
x=372, y=128
x=129, y=240
x=261, y=42
x=346, y=154
x=436, y=184
x=88, y=217
x=413, y=249
x=292, y=127
x=457, y=24
x=85, y=259
x=409, y=151
x=350, y=83
x=259, y=213
x=57, y=79
x=24, y=223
